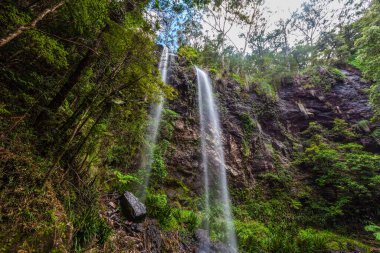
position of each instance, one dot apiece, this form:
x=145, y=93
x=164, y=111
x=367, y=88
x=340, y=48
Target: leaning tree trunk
x=73, y=79
x=24, y=28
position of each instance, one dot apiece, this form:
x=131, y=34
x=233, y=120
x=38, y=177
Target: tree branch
x=27, y=27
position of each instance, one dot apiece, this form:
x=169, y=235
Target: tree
x=259, y=41
x=251, y=18
x=279, y=40
x=368, y=52
x=311, y=19
x=222, y=16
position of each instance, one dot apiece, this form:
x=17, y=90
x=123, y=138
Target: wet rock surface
x=347, y=99
x=132, y=207
x=205, y=245
x=277, y=124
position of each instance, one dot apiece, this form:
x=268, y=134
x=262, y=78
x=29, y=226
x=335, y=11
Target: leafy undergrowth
x=32, y=218
x=57, y=216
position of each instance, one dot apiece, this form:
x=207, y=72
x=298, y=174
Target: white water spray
x=155, y=114
x=213, y=163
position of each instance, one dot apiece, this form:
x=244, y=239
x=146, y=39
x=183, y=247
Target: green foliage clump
x=158, y=207
x=273, y=225
x=170, y=218
x=376, y=135
x=279, y=179
x=264, y=88
x=49, y=49
x=12, y=17
x=311, y=240
x=167, y=123
x=238, y=79
x=189, y=53
x=367, y=57
x=125, y=182
x=374, y=229
x=325, y=77
x=248, y=126
x=364, y=125
x=343, y=175
x=89, y=16
x=159, y=171
x=252, y=236
x=342, y=130
x=189, y=220
x=337, y=74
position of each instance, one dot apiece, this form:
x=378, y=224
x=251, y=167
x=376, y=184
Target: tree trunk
x=73, y=79
x=27, y=27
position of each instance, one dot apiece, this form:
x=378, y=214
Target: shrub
x=337, y=74
x=187, y=218
x=170, y=218
x=344, y=177
x=159, y=171
x=311, y=240
x=364, y=126
x=252, y=236
x=342, y=130
x=189, y=53
x=238, y=79
x=124, y=181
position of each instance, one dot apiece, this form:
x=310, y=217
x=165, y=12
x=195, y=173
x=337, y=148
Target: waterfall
x=213, y=163
x=153, y=129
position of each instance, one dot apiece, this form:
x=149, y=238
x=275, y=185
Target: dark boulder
x=132, y=207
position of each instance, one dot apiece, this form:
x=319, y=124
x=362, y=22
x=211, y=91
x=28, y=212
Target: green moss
x=248, y=126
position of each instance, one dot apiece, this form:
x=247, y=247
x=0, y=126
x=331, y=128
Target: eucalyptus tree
x=222, y=16
x=251, y=19
x=311, y=19
x=259, y=41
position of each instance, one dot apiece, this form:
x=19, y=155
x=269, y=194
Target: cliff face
x=259, y=133
x=347, y=99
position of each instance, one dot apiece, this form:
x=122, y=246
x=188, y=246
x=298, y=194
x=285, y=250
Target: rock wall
x=276, y=124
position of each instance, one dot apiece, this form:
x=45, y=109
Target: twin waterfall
x=153, y=129
x=217, y=200
x=213, y=164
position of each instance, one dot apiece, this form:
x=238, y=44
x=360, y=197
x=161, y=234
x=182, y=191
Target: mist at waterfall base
x=213, y=165
x=154, y=126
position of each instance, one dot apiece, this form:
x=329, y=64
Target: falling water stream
x=213, y=163
x=155, y=115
